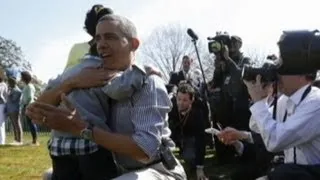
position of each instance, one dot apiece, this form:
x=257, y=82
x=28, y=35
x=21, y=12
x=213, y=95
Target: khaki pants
x=155, y=172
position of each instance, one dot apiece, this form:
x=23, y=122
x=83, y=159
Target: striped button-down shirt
x=144, y=117
x=92, y=105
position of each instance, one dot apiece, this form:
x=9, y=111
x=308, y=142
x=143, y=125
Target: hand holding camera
x=257, y=89
x=225, y=53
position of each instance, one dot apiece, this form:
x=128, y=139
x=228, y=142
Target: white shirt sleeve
x=252, y=122
x=253, y=125
x=300, y=127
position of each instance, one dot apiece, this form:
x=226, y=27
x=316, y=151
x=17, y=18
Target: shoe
x=35, y=144
x=16, y=143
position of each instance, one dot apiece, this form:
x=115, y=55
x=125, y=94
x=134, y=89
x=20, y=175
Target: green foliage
x=11, y=55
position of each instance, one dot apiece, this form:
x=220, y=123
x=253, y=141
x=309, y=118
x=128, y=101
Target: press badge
x=227, y=80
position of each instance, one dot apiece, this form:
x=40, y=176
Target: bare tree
x=166, y=46
x=207, y=61
x=257, y=56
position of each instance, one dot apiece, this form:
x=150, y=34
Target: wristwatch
x=87, y=133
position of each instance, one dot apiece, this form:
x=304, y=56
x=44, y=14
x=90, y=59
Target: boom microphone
x=192, y=34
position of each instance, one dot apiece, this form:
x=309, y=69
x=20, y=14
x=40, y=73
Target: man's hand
x=200, y=174
x=63, y=119
x=225, y=51
x=230, y=135
x=256, y=90
x=91, y=77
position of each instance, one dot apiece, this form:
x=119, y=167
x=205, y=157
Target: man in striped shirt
x=74, y=157
x=140, y=133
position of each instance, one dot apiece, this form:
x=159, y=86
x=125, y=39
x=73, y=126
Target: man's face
x=184, y=101
x=186, y=63
x=112, y=45
x=287, y=84
x=235, y=46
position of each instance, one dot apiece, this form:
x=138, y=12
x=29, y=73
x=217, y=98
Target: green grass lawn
x=29, y=162
x=24, y=162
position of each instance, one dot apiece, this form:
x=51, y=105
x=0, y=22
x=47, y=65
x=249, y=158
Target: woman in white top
x=3, y=99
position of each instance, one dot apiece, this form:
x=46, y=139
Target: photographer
x=187, y=123
x=255, y=160
x=232, y=106
x=295, y=128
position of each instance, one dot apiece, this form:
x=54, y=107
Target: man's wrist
x=79, y=126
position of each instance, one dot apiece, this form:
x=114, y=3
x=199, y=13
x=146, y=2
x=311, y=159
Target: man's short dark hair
x=26, y=77
x=184, y=88
x=126, y=26
x=185, y=57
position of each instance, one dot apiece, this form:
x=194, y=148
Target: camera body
x=216, y=44
x=299, y=55
x=268, y=72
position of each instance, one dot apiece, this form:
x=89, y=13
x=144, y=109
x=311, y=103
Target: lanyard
x=304, y=95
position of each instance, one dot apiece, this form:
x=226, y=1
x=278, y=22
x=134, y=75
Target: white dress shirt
x=301, y=128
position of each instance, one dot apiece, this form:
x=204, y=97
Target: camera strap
x=304, y=95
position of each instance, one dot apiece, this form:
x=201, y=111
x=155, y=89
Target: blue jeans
x=189, y=151
x=32, y=126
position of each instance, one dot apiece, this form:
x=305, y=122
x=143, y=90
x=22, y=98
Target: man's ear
x=135, y=43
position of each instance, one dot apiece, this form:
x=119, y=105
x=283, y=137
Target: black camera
x=299, y=52
x=268, y=72
x=217, y=43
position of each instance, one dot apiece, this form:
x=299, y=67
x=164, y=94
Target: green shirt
x=28, y=93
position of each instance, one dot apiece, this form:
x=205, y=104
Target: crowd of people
x=13, y=103
x=113, y=119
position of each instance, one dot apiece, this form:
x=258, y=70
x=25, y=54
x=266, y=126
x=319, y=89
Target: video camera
x=217, y=43
x=299, y=55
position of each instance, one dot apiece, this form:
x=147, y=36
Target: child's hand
x=152, y=71
x=92, y=77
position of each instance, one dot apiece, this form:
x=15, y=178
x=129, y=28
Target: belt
x=145, y=165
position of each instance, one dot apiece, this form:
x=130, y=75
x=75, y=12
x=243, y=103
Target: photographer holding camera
x=231, y=108
x=295, y=127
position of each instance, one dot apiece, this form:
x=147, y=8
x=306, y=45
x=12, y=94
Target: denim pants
x=31, y=125
x=189, y=151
